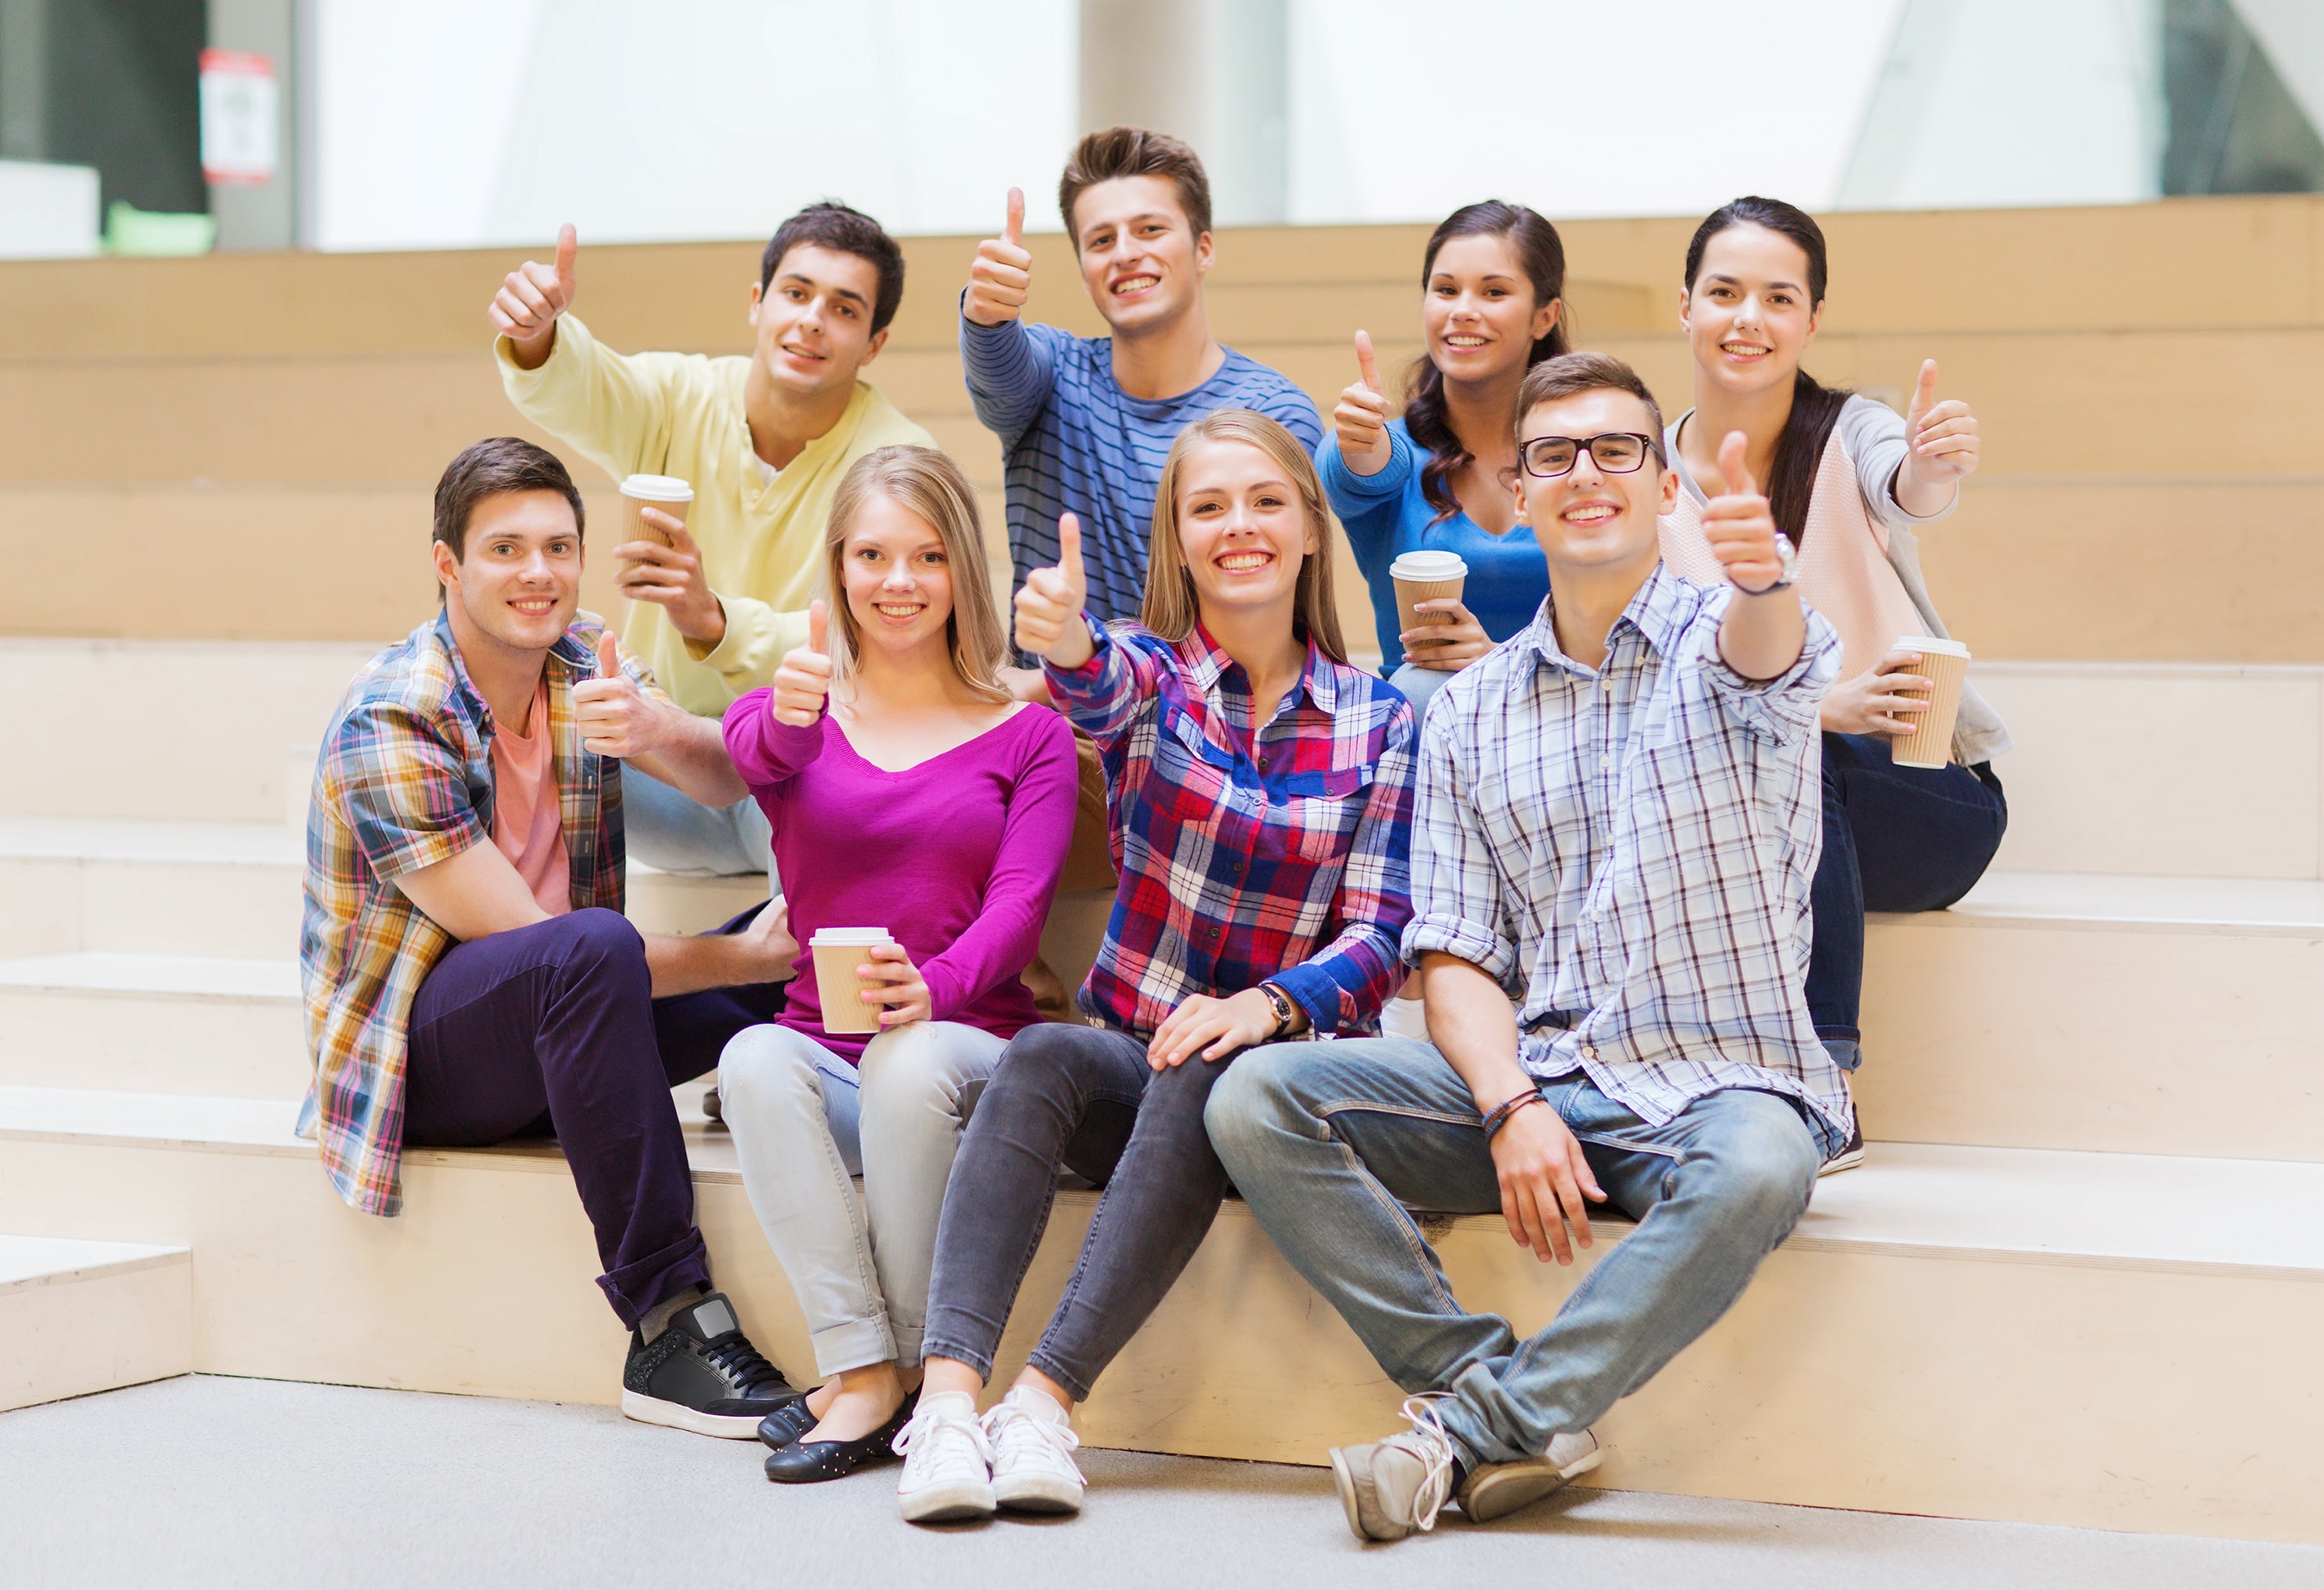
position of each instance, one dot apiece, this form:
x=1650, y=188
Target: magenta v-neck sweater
x=957, y=858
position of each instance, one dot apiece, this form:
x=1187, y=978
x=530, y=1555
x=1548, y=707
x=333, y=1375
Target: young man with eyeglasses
x=1621, y=811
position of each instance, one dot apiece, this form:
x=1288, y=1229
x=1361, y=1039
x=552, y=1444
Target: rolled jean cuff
x=857, y=1344
x=1077, y=1388
x=637, y=1289
x=909, y=1350
x=936, y=1346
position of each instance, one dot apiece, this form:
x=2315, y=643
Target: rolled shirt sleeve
x=1456, y=889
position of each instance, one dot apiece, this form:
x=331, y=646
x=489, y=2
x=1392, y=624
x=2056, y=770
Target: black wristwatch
x=1286, y=1013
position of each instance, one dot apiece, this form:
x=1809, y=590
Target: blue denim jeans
x=670, y=831
x=1895, y=839
x=1420, y=686
x=1333, y=1145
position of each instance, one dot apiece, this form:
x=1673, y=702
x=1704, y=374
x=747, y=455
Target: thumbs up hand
x=1941, y=442
x=1741, y=526
x=1049, y=604
x=1003, y=277
x=802, y=683
x=617, y=717
x=526, y=307
x=1360, y=418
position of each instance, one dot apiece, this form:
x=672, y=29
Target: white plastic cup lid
x=850, y=936
x=1930, y=643
x=1417, y=566
x=658, y=487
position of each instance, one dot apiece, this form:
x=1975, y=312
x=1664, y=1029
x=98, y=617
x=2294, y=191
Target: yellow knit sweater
x=681, y=414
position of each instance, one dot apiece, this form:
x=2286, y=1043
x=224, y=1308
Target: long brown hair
x=930, y=485
x=1540, y=252
x=1815, y=408
x=1172, y=606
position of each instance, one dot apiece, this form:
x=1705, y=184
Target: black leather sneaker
x=703, y=1375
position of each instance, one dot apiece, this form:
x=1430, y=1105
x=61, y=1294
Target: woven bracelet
x=1507, y=1107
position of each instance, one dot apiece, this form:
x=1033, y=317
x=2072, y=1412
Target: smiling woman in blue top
x=1438, y=479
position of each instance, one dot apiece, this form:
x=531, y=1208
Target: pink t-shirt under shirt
x=958, y=857
x=527, y=826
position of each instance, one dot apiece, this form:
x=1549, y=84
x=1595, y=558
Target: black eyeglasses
x=1616, y=452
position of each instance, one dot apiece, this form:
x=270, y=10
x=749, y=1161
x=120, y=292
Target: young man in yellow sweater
x=763, y=440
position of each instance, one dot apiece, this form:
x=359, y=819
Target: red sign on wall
x=241, y=118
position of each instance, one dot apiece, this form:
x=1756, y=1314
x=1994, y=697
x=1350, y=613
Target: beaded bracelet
x=1507, y=1107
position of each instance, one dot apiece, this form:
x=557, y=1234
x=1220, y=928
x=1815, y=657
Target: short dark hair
x=831, y=225
x=489, y=467
x=1571, y=374
x=1134, y=152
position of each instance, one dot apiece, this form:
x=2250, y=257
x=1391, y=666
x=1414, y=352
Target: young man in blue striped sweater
x=1087, y=421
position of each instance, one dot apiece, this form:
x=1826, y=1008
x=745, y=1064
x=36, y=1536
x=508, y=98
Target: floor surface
x=212, y=1481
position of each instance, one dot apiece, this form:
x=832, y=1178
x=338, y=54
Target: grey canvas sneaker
x=1393, y=1487
x=1496, y=1490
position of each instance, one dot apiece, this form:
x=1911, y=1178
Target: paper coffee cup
x=838, y=952
x=1426, y=576
x=1945, y=663
x=667, y=492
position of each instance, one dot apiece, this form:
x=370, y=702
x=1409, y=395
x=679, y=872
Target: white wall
x=1577, y=107
x=450, y=122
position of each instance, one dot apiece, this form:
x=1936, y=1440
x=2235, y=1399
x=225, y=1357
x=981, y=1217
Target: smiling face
x=898, y=578
x=1244, y=532
x=1590, y=519
x=518, y=580
x=1478, y=312
x=813, y=320
x=1142, y=261
x=1749, y=316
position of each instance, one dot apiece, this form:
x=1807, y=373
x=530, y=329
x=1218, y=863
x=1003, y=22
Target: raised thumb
x=1734, y=474
x=1365, y=365
x=568, y=244
x=1069, y=547
x=818, y=626
x=1924, y=392
x=1013, y=234
x=609, y=656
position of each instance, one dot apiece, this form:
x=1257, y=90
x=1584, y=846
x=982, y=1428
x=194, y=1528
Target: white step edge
x=1868, y=1366
x=78, y=1316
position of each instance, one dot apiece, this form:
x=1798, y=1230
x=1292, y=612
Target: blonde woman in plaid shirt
x=1621, y=810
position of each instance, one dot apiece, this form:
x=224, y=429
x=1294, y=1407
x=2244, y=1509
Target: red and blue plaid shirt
x=1276, y=857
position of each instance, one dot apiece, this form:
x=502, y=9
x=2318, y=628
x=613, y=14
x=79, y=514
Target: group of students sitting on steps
x=1600, y=842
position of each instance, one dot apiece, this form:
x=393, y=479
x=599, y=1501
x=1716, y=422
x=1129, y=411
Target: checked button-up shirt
x=1629, y=850
x=1245, y=858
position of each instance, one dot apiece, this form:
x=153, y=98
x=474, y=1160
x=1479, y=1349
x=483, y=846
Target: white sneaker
x=948, y=1462
x=1393, y=1487
x=1033, y=1470
x=1495, y=1490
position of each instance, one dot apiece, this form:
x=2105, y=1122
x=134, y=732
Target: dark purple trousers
x=553, y=1030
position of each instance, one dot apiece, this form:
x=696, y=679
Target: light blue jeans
x=1332, y=1144
x=1420, y=686
x=805, y=1123
x=671, y=831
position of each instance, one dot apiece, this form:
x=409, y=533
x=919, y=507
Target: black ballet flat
x=786, y=1424
x=809, y=1463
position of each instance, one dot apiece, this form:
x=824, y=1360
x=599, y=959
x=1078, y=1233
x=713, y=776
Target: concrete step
x=2160, y=1015
x=1935, y=1293
x=121, y=886
x=2164, y=1015
x=2086, y=792
x=78, y=1316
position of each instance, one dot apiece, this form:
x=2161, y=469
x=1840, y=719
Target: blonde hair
x=928, y=483
x=1172, y=606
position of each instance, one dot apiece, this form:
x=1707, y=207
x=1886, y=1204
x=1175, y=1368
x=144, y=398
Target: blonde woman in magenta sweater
x=1848, y=482
x=905, y=791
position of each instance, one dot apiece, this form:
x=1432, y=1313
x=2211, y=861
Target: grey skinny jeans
x=805, y=1123
x=1086, y=1098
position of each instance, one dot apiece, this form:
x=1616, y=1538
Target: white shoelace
x=932, y=1459
x=1013, y=1431
x=1434, y=1448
